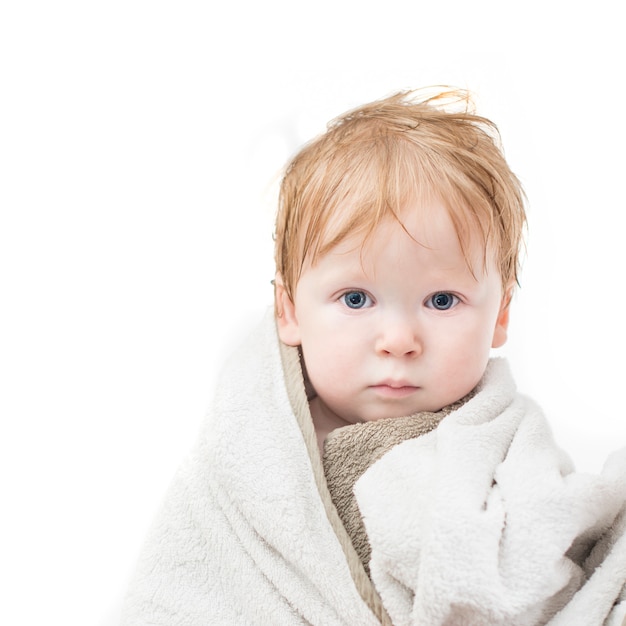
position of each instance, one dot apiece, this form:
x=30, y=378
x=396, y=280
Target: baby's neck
x=323, y=421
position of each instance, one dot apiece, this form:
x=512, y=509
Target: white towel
x=483, y=522
x=247, y=535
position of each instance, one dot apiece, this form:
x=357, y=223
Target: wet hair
x=376, y=159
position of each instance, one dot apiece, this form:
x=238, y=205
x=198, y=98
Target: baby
x=397, y=246
x=365, y=461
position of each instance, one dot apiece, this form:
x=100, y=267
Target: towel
x=483, y=521
x=248, y=533
x=349, y=451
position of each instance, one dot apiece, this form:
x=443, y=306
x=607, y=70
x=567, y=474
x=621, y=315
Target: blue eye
x=442, y=301
x=355, y=299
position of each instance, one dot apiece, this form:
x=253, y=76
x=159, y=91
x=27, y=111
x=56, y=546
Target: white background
x=140, y=143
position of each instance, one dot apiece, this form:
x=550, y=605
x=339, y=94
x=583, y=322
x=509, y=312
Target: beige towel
x=351, y=450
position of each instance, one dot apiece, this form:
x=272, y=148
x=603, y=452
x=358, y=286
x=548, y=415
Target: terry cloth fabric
x=248, y=533
x=351, y=450
x=483, y=521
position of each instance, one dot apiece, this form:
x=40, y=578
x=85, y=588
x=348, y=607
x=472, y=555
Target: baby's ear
x=500, y=332
x=286, y=320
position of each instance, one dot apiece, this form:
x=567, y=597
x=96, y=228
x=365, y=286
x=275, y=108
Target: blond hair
x=374, y=159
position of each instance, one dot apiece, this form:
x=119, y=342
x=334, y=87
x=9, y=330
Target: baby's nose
x=399, y=338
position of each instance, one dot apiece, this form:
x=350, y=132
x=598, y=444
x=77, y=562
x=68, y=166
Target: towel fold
x=248, y=533
x=351, y=450
x=483, y=521
x=479, y=519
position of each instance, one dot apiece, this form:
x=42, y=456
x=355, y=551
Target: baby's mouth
x=391, y=389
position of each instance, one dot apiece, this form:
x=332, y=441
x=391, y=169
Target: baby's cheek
x=333, y=358
x=329, y=377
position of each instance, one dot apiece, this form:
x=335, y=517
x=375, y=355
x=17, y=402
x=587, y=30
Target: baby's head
x=397, y=247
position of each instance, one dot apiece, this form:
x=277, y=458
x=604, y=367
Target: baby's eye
x=442, y=301
x=356, y=299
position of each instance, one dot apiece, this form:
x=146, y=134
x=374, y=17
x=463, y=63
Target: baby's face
x=395, y=327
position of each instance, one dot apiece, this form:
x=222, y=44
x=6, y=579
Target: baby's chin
x=395, y=413
x=339, y=414
x=443, y=406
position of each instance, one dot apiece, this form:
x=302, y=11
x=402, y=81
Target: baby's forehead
x=428, y=220
x=426, y=226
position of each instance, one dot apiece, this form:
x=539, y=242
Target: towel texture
x=480, y=520
x=351, y=450
x=483, y=521
x=248, y=533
